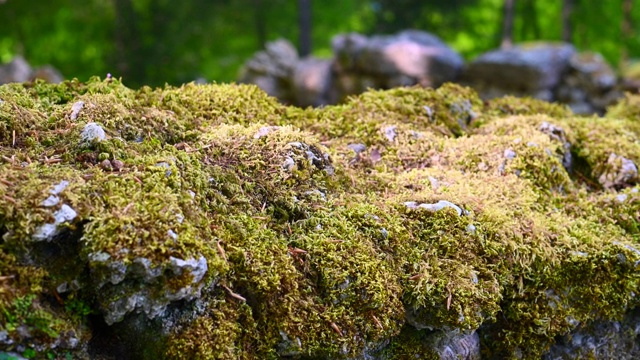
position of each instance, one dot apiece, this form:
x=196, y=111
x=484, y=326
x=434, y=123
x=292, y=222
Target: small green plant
x=77, y=308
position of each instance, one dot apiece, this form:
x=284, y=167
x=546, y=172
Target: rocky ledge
x=212, y=222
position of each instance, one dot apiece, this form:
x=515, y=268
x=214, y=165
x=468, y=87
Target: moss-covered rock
x=209, y=222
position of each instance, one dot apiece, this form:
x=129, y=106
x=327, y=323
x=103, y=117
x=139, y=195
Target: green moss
x=223, y=332
x=301, y=215
x=510, y=105
x=627, y=108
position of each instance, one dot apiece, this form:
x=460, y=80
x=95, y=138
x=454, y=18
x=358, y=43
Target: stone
x=272, y=68
x=418, y=57
x=47, y=232
x=525, y=69
x=311, y=82
x=75, y=109
x=47, y=73
x=92, y=132
x=17, y=70
x=454, y=345
x=620, y=172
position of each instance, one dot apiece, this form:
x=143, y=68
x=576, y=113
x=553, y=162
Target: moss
x=221, y=333
x=626, y=108
x=409, y=344
x=603, y=143
x=510, y=105
x=308, y=220
x=447, y=111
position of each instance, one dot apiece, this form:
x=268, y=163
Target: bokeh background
x=153, y=42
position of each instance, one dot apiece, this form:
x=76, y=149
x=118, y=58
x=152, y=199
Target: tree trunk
x=126, y=39
x=530, y=21
x=304, y=22
x=261, y=23
x=626, y=29
x=507, y=27
x=567, y=9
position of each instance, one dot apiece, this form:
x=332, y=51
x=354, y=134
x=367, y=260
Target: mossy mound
x=209, y=221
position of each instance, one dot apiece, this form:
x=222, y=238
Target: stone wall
x=543, y=70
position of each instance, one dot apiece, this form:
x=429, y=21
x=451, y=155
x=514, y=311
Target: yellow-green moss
x=301, y=215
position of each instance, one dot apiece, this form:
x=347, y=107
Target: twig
x=9, y=199
x=375, y=319
x=296, y=251
x=221, y=250
x=7, y=159
x=234, y=295
x=336, y=328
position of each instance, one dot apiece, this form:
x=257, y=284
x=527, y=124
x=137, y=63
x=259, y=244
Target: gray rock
x=47, y=73
x=357, y=148
x=92, y=132
x=415, y=56
x=529, y=67
x=471, y=229
x=455, y=345
x=289, y=346
x=288, y=164
x=75, y=109
x=557, y=133
x=272, y=68
x=311, y=82
x=166, y=166
x=435, y=184
x=47, y=232
x=590, y=84
x=52, y=200
x=619, y=172
x=17, y=70
x=143, y=269
x=264, y=131
x=509, y=154
x=601, y=340
x=145, y=288
x=196, y=267
x=390, y=133
x=59, y=188
x=442, y=204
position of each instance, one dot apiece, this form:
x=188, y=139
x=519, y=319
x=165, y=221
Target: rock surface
x=19, y=70
x=211, y=221
x=542, y=70
x=380, y=62
x=524, y=70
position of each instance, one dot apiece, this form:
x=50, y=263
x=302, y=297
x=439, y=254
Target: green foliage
x=157, y=42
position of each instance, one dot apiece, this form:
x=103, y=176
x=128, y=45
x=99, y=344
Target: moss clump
x=509, y=105
x=626, y=108
x=222, y=224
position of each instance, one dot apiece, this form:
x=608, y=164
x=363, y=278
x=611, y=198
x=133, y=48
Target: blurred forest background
x=154, y=42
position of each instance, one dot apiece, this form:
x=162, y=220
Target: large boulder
x=408, y=58
x=590, y=85
x=272, y=68
x=312, y=81
x=213, y=222
x=19, y=70
x=530, y=69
